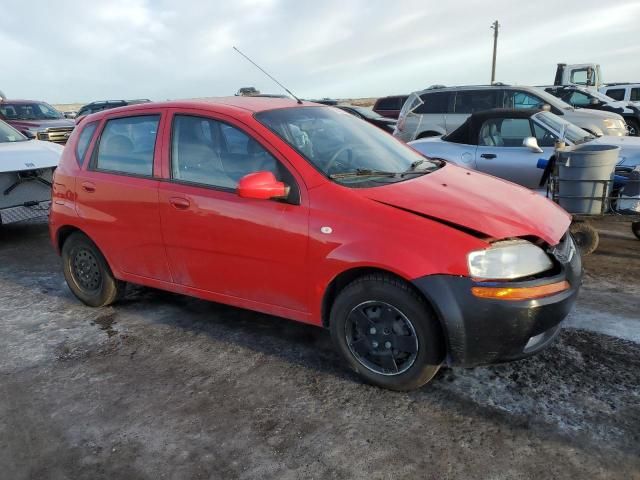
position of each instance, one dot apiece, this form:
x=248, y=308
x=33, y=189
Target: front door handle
x=88, y=187
x=180, y=203
x=488, y=156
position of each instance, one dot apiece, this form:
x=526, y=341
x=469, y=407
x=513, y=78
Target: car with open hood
x=303, y=211
x=516, y=144
x=26, y=170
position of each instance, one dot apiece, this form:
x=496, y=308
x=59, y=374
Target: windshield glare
x=336, y=143
x=552, y=122
x=29, y=111
x=10, y=134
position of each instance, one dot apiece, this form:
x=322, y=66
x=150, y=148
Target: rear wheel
x=585, y=236
x=387, y=333
x=87, y=272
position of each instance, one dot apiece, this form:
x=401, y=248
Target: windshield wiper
x=364, y=172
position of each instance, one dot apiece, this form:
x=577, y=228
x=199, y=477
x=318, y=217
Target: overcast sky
x=79, y=51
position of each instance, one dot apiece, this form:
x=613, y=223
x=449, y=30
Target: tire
x=585, y=236
x=633, y=127
x=87, y=273
x=398, y=343
x=635, y=228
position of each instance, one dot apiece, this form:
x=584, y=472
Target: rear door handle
x=488, y=155
x=88, y=187
x=180, y=203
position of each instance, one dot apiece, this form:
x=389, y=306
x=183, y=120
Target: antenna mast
x=267, y=74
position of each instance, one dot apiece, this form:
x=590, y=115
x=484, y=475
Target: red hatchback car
x=303, y=211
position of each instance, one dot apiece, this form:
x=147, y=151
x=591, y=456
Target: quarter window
x=83, y=142
x=214, y=153
x=127, y=145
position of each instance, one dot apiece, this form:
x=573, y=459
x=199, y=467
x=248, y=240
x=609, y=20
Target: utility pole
x=495, y=26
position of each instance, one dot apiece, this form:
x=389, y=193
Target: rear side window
x=435, y=102
x=127, y=145
x=635, y=95
x=83, y=142
x=469, y=101
x=617, y=93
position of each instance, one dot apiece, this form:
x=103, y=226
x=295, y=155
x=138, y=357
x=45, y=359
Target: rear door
x=465, y=102
x=500, y=152
x=117, y=194
x=242, y=249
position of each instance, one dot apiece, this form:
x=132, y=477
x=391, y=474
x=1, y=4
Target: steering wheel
x=334, y=158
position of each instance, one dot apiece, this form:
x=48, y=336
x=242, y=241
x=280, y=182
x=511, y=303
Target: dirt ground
x=162, y=386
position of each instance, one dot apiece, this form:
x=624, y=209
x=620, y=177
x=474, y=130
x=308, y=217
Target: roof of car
x=442, y=88
x=11, y=100
x=246, y=104
x=468, y=132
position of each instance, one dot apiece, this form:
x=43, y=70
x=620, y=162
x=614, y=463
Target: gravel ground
x=164, y=386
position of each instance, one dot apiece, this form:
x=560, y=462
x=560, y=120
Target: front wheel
x=87, y=272
x=387, y=333
x=633, y=127
x=586, y=237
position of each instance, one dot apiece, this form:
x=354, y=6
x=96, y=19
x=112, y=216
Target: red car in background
x=305, y=212
x=36, y=119
x=390, y=106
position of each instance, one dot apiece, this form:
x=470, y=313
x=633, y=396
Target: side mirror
x=532, y=144
x=261, y=186
x=29, y=134
x=594, y=101
x=545, y=107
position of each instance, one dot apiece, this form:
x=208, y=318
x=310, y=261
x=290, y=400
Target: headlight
x=507, y=260
x=612, y=123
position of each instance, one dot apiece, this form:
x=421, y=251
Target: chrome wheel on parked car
x=381, y=338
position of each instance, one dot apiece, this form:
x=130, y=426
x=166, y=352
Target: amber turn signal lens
x=520, y=293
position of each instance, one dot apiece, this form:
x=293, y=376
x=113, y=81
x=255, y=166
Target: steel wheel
x=381, y=338
x=85, y=270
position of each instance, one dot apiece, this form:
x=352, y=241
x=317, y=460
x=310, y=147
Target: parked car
x=437, y=111
x=387, y=124
x=301, y=211
x=390, y=106
x=582, y=97
x=70, y=114
x=101, y=105
x=627, y=92
x=36, y=120
x=510, y=144
x=26, y=169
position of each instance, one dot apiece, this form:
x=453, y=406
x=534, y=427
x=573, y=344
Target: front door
x=243, y=249
x=500, y=152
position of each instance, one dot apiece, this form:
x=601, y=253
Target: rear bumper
x=485, y=331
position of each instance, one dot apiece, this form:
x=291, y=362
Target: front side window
x=617, y=93
x=504, y=132
x=210, y=152
x=635, y=95
x=84, y=140
x=10, y=134
x=469, y=101
x=29, y=111
x=579, y=99
x=348, y=150
x=127, y=145
x=523, y=100
x=580, y=77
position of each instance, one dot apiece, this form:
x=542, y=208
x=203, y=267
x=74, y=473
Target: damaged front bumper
x=481, y=331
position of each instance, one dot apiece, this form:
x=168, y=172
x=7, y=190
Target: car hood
x=478, y=203
x=28, y=155
x=41, y=124
x=590, y=113
x=629, y=148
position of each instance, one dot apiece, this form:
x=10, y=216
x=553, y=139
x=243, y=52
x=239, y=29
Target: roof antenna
x=263, y=71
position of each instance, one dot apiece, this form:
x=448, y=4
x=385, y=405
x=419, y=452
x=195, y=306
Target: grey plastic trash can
x=585, y=163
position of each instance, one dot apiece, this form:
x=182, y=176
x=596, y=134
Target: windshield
x=345, y=148
x=552, y=122
x=10, y=134
x=29, y=111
